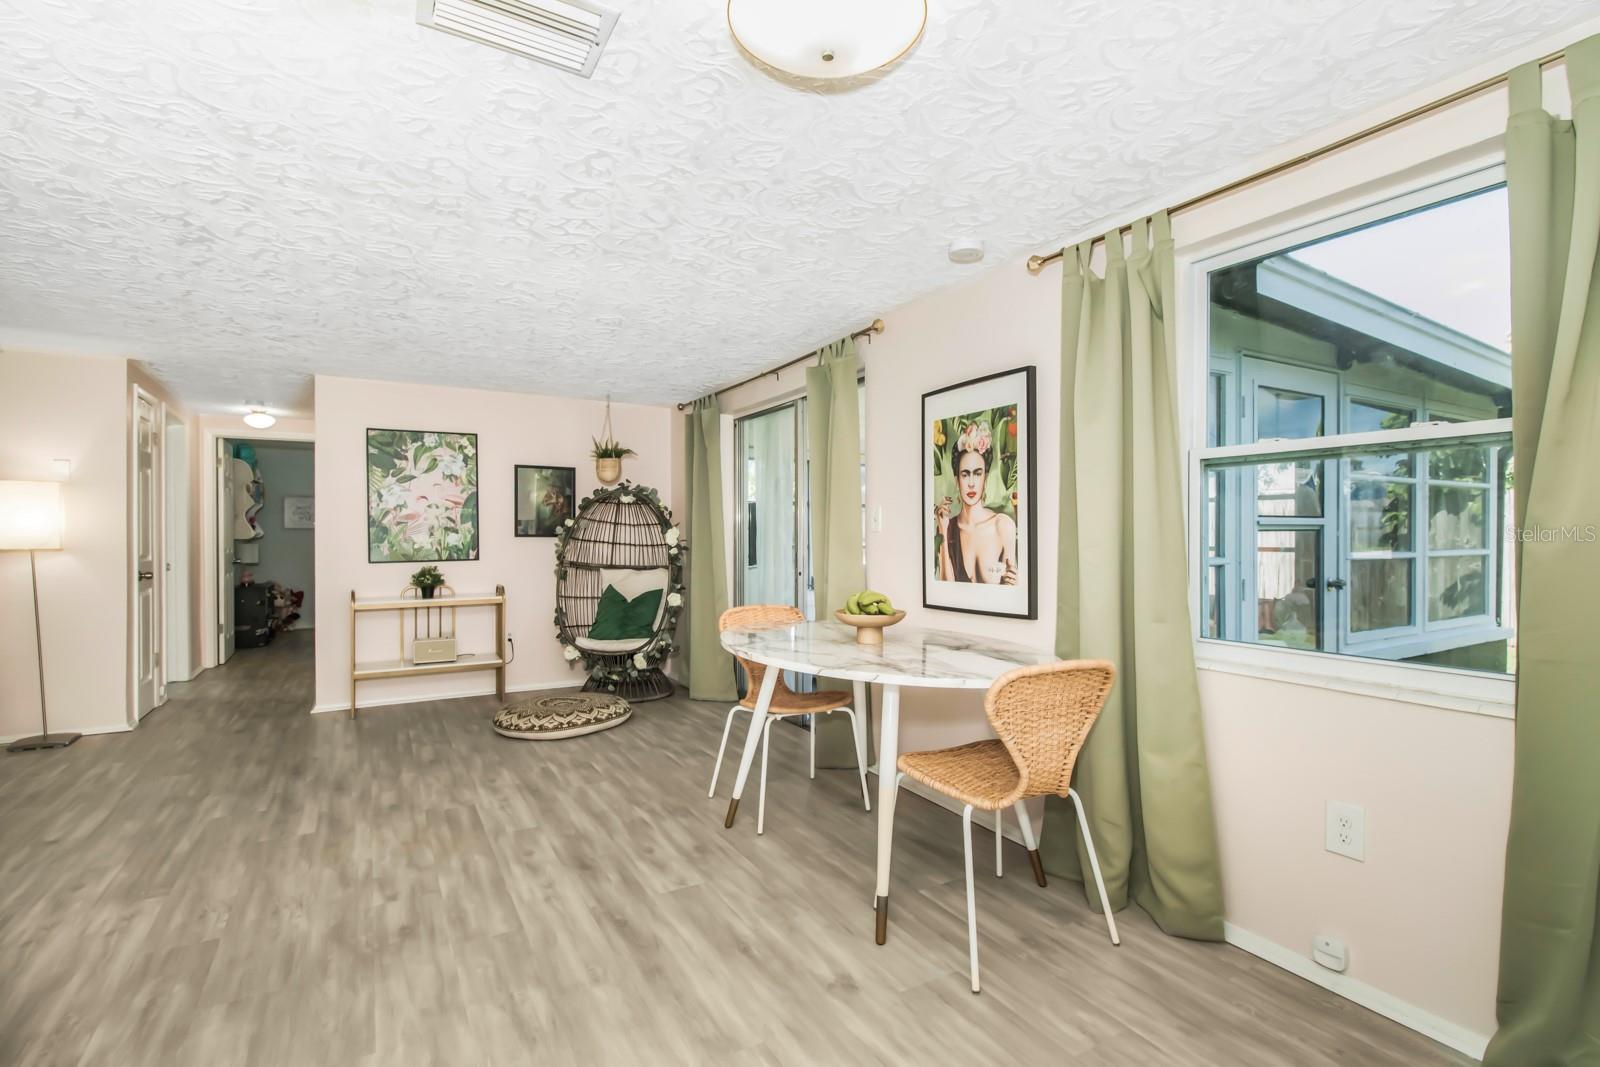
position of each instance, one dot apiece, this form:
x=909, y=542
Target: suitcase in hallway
x=252, y=613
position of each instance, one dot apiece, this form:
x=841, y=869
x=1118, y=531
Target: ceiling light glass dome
x=827, y=38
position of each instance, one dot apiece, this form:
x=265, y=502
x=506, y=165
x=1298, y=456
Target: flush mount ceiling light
x=258, y=419
x=827, y=38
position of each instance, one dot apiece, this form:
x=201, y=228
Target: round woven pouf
x=551, y=718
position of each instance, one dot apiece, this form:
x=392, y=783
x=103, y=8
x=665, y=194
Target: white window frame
x=1255, y=370
x=1428, y=684
x=1223, y=563
x=1393, y=636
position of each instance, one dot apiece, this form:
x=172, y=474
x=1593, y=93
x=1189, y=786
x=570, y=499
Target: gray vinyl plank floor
x=238, y=881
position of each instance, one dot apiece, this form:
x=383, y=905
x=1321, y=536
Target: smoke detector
x=966, y=250
x=565, y=35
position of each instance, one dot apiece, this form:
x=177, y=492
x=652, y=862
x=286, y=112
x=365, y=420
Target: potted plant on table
x=427, y=580
x=608, y=456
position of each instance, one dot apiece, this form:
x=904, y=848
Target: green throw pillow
x=616, y=618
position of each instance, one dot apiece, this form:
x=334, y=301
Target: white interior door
x=178, y=608
x=224, y=535
x=146, y=554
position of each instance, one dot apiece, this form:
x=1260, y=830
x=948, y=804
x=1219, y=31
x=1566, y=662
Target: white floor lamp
x=30, y=521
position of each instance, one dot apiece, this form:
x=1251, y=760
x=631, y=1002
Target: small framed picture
x=978, y=551
x=299, y=513
x=545, y=499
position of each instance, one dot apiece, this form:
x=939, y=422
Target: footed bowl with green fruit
x=869, y=613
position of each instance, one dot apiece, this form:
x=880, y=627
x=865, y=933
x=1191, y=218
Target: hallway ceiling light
x=259, y=419
x=827, y=38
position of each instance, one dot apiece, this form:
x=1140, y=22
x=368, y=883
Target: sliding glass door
x=772, y=527
x=772, y=542
x=769, y=560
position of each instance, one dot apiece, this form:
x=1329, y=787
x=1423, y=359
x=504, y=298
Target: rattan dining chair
x=1042, y=716
x=785, y=704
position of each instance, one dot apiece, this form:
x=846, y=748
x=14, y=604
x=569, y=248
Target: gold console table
x=408, y=607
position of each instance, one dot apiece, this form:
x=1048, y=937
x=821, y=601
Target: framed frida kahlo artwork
x=422, y=496
x=978, y=551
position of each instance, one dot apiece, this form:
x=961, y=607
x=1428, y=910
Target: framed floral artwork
x=978, y=552
x=422, y=496
x=544, y=498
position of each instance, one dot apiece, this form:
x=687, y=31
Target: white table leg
x=888, y=759
x=863, y=721
x=752, y=740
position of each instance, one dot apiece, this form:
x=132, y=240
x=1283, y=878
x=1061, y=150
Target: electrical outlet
x=1347, y=830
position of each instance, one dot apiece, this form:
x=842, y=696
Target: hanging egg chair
x=620, y=558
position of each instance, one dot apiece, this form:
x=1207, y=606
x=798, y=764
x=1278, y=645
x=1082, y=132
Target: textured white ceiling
x=246, y=192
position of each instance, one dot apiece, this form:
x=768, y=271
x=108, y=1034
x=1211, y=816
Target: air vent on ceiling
x=569, y=36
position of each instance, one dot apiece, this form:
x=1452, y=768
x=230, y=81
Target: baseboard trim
x=328, y=709
x=87, y=731
x=1370, y=997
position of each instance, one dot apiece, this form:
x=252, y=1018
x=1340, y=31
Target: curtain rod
x=1037, y=263
x=867, y=332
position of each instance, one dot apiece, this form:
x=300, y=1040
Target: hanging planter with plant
x=608, y=453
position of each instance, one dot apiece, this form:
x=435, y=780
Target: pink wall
x=77, y=408
x=512, y=428
x=1421, y=913
x=73, y=408
x=995, y=322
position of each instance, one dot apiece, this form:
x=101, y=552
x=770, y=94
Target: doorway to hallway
x=266, y=542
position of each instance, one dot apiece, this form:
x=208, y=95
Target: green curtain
x=710, y=668
x=1549, y=1000
x=1122, y=592
x=833, y=428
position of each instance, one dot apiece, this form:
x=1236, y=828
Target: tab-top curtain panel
x=833, y=430
x=711, y=675
x=1122, y=592
x=1549, y=998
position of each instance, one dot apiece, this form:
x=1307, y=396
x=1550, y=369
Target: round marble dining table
x=909, y=656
